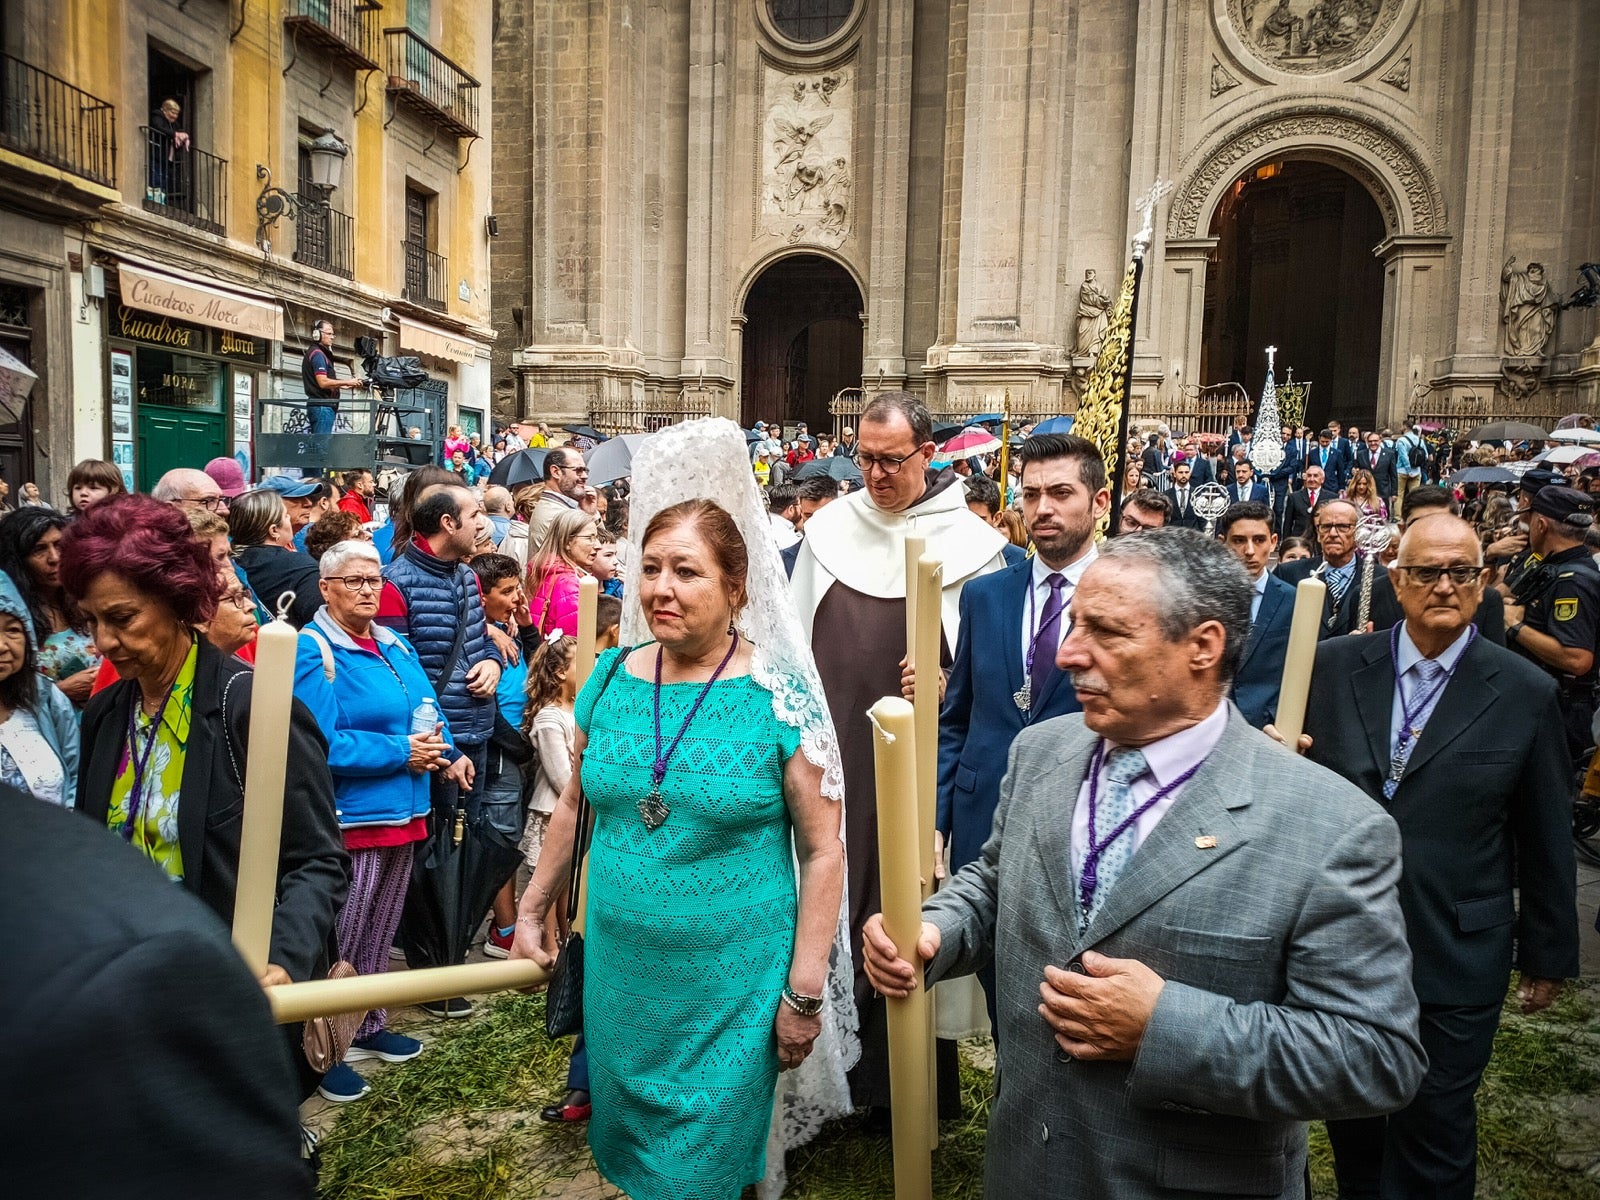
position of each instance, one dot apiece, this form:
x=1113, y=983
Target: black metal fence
x=422, y=78
x=184, y=183
x=324, y=237
x=425, y=275
x=48, y=119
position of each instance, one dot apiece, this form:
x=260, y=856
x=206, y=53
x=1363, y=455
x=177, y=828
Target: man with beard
x=1005, y=676
x=1181, y=496
x=850, y=587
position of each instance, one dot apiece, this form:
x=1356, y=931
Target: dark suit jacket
x=1482, y=809
x=1297, y=512
x=979, y=719
x=1384, y=472
x=1340, y=618
x=148, y=1008
x=313, y=868
x=1258, y=492
x=1203, y=472
x=1185, y=517
x=1260, y=673
x=1334, y=465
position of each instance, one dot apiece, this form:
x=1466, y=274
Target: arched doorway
x=802, y=341
x=1295, y=268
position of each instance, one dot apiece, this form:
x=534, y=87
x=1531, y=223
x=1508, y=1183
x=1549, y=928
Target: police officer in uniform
x=1554, y=611
x=1511, y=550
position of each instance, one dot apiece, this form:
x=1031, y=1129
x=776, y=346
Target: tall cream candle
x=588, y=599
x=899, y=867
x=293, y=1002
x=261, y=832
x=915, y=548
x=926, y=703
x=1299, y=659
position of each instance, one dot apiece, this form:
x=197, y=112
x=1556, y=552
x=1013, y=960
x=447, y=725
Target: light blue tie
x=1122, y=767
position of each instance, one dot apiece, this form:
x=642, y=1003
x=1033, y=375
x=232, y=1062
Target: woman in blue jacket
x=363, y=683
x=38, y=725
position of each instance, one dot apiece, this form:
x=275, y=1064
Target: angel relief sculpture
x=808, y=180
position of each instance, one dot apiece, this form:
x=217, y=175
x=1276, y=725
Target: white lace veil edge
x=706, y=459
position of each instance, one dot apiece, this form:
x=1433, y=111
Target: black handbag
x=563, y=1000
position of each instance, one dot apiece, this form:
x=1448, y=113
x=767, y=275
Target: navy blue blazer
x=1258, y=492
x=979, y=718
x=1260, y=673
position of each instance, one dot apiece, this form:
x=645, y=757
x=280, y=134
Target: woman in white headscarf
x=715, y=952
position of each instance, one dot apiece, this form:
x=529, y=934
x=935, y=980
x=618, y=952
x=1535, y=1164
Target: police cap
x=1564, y=504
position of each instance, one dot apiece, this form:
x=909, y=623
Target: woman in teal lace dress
x=705, y=961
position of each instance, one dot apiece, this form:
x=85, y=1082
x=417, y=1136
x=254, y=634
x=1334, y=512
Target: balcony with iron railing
x=184, y=183
x=428, y=84
x=345, y=30
x=324, y=237
x=425, y=276
x=47, y=119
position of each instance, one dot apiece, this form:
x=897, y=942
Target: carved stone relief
x=1221, y=79
x=1337, y=130
x=1309, y=36
x=1399, y=75
x=806, y=177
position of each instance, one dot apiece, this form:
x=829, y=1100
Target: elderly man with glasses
x=1461, y=741
x=1351, y=577
x=190, y=489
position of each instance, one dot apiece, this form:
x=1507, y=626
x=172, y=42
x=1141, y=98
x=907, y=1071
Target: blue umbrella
x=1055, y=425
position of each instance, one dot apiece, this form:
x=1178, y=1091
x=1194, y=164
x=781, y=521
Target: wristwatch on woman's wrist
x=806, y=1006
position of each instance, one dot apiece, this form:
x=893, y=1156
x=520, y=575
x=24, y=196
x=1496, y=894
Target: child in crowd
x=605, y=567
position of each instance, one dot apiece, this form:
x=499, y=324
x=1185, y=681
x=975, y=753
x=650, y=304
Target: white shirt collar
x=1073, y=571
x=1408, y=656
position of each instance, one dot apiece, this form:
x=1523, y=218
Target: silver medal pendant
x=1023, y=697
x=653, y=810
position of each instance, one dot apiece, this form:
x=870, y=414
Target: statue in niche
x=1527, y=310
x=1094, y=306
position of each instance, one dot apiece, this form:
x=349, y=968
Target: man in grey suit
x=1200, y=953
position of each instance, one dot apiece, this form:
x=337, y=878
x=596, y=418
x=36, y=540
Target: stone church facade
x=763, y=208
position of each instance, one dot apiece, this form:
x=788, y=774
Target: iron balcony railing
x=324, y=237
x=184, y=183
x=48, y=119
x=425, y=275
x=345, y=29
x=429, y=84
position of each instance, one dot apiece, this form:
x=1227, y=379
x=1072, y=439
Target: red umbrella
x=969, y=443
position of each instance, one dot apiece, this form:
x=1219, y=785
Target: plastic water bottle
x=425, y=716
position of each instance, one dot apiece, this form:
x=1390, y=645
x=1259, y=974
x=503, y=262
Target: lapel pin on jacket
x=1205, y=841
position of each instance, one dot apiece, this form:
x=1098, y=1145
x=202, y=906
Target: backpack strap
x=327, y=652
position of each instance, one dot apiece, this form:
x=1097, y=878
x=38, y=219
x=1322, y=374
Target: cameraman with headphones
x=316, y=374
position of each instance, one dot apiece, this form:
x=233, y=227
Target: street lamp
x=327, y=154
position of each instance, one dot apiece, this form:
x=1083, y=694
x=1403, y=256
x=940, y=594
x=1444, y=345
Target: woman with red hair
x=167, y=745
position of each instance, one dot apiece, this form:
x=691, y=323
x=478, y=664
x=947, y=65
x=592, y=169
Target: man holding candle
x=1461, y=741
x=850, y=587
x=1192, y=960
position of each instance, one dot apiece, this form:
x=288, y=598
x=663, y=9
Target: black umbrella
x=834, y=467
x=1507, y=431
x=587, y=431
x=452, y=884
x=943, y=430
x=1488, y=475
x=514, y=470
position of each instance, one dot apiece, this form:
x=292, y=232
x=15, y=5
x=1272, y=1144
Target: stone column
x=706, y=284
x=1482, y=248
x=884, y=354
x=1178, y=295
x=1413, y=295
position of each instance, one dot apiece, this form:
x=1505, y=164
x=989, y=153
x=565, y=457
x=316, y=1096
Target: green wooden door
x=176, y=437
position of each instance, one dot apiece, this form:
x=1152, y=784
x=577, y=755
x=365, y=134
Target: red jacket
x=350, y=502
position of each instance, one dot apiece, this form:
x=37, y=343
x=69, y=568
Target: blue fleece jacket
x=365, y=713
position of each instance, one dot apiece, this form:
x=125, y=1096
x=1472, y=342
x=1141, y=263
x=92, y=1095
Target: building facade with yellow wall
x=161, y=268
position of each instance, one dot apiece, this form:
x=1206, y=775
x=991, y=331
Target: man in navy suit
x=1181, y=496
x=1012, y=623
x=1246, y=530
x=1327, y=455
x=1284, y=478
x=1245, y=485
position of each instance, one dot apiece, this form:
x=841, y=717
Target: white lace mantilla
x=707, y=460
